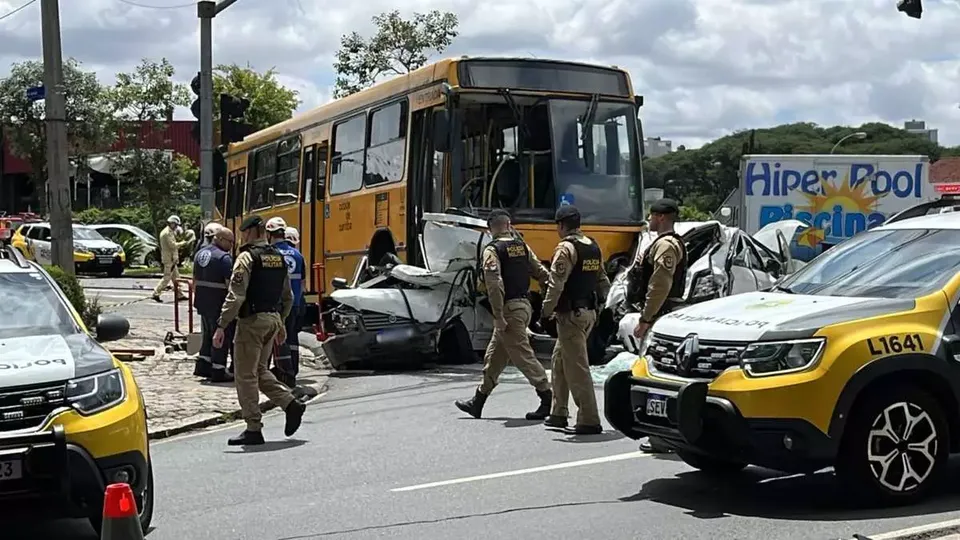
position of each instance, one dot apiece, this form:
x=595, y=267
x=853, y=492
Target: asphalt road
x=343, y=476
x=131, y=297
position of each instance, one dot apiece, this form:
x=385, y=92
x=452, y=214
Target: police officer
x=662, y=276
x=211, y=274
x=287, y=362
x=507, y=264
x=259, y=297
x=576, y=287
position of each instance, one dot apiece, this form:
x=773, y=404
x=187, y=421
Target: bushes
x=70, y=285
x=137, y=216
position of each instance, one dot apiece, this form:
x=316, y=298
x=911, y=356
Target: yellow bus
x=461, y=135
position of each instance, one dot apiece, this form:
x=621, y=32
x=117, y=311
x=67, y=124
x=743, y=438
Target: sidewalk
x=177, y=401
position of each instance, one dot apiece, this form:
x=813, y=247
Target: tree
x=702, y=178
x=270, y=101
x=144, y=101
x=88, y=115
x=398, y=46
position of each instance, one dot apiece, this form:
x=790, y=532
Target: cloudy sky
x=705, y=67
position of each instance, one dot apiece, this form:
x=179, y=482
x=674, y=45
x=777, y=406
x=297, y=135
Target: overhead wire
x=17, y=10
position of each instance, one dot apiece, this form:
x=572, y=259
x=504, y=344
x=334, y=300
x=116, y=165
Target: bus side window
x=321, y=189
x=348, y=155
x=388, y=144
x=263, y=178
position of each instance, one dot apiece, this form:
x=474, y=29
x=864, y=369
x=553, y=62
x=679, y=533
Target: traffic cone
x=120, y=519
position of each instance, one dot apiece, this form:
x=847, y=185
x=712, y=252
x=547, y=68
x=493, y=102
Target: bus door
x=312, y=185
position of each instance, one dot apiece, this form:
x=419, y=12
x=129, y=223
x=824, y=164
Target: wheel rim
x=902, y=447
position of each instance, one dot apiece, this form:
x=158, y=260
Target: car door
x=42, y=245
x=746, y=272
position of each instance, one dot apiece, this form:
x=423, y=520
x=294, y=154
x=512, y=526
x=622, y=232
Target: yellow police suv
x=72, y=419
x=851, y=362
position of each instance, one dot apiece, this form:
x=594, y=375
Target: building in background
x=656, y=147
x=919, y=127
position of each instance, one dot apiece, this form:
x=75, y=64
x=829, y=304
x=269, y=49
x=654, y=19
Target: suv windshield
x=898, y=263
x=47, y=314
x=84, y=233
x=596, y=158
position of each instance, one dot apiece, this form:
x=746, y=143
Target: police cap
x=566, y=212
x=251, y=222
x=665, y=206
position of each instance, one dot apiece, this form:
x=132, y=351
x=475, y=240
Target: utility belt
x=579, y=305
x=525, y=297
x=246, y=312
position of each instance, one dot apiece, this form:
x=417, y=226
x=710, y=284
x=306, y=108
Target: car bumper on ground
x=685, y=416
x=49, y=477
x=388, y=346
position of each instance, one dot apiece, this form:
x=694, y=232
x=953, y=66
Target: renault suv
x=851, y=362
x=72, y=419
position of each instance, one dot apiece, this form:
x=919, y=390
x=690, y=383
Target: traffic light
x=912, y=8
x=195, y=107
x=232, y=127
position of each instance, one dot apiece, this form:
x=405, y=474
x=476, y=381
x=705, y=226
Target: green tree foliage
x=397, y=46
x=90, y=126
x=270, y=101
x=704, y=177
x=144, y=100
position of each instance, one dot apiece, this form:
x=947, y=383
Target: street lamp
x=855, y=135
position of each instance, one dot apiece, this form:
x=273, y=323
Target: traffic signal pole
x=206, y=11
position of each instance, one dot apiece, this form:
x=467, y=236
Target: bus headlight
x=781, y=357
x=90, y=395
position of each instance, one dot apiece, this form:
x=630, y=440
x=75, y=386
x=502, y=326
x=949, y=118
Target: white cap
x=174, y=219
x=292, y=235
x=275, y=224
x=211, y=229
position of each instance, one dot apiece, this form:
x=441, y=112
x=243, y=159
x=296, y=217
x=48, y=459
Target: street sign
x=36, y=93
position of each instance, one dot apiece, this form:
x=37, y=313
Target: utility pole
x=206, y=11
x=58, y=192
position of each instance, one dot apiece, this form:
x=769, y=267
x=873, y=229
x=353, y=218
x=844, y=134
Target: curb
x=932, y=531
x=214, y=419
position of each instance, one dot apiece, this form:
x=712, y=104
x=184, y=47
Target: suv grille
x=27, y=407
x=713, y=357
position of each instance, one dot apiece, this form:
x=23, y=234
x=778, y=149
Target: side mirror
x=726, y=211
x=340, y=283
x=111, y=327
x=638, y=100
x=441, y=131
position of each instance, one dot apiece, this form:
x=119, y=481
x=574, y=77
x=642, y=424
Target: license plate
x=11, y=470
x=105, y=260
x=657, y=406
x=394, y=335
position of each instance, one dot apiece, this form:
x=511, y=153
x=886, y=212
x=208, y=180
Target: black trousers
x=208, y=353
x=287, y=361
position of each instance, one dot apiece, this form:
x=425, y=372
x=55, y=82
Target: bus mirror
x=340, y=283
x=638, y=100
x=441, y=131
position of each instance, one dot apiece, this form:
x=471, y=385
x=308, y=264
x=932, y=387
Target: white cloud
x=705, y=67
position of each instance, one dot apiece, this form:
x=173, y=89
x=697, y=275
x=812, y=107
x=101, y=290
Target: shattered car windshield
x=898, y=263
x=444, y=244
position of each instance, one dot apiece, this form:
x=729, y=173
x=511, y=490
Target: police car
x=72, y=418
x=850, y=362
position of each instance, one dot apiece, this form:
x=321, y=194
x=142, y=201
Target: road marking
x=916, y=530
x=558, y=466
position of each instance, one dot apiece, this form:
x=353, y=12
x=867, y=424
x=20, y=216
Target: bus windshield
x=532, y=154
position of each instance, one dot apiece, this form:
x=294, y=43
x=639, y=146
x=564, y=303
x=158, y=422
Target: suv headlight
x=781, y=357
x=345, y=321
x=93, y=394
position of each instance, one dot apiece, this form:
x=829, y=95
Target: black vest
x=640, y=274
x=514, y=267
x=210, y=280
x=267, y=275
x=580, y=291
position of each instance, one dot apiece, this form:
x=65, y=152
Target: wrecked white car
x=722, y=261
x=398, y=314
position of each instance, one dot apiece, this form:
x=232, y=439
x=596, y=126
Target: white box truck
x=837, y=195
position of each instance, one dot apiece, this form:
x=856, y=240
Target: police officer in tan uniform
x=508, y=263
x=662, y=275
x=576, y=288
x=260, y=298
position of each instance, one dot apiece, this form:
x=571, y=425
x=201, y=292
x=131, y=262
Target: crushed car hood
x=51, y=358
x=770, y=316
x=425, y=304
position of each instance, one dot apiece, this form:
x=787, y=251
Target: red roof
x=945, y=170
x=177, y=137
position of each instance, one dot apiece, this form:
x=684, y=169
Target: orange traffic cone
x=120, y=519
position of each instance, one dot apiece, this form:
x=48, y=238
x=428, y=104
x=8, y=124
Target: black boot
x=294, y=412
x=202, y=368
x=247, y=438
x=556, y=421
x=220, y=376
x=474, y=405
x=584, y=429
x=546, y=398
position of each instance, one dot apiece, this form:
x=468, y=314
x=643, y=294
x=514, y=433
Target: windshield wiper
x=515, y=110
x=781, y=288
x=588, y=116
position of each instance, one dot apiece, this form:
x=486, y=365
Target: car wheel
x=454, y=346
x=710, y=465
x=146, y=500
x=895, y=446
